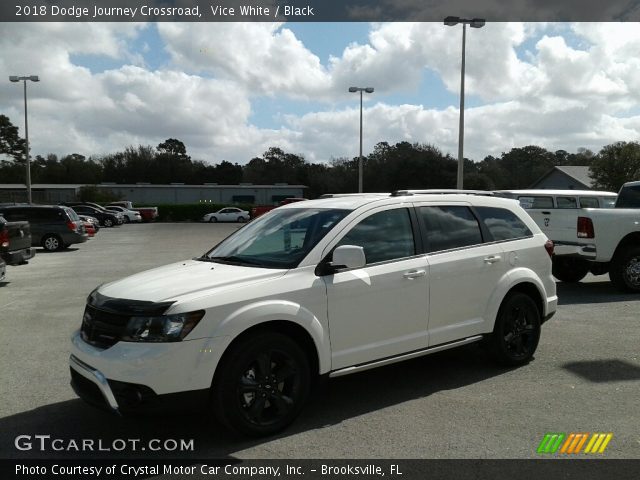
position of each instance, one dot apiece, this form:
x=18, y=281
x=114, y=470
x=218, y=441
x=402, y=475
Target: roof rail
x=400, y=193
x=339, y=195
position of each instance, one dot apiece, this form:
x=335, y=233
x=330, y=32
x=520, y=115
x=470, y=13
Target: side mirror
x=348, y=256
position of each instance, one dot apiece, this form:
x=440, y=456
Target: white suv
x=325, y=287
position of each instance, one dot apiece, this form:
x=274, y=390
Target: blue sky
x=231, y=90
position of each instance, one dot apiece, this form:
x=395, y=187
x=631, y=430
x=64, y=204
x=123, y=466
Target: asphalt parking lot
x=456, y=404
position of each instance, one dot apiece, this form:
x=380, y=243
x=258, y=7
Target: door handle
x=410, y=275
x=492, y=259
x=546, y=213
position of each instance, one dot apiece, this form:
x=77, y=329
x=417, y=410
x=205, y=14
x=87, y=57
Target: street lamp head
x=353, y=89
x=34, y=78
x=477, y=23
x=451, y=21
x=369, y=89
x=14, y=78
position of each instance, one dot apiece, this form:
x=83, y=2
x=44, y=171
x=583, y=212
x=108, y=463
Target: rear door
x=464, y=271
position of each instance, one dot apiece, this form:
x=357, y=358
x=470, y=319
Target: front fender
x=280, y=310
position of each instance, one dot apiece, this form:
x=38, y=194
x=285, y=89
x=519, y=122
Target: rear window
x=450, y=227
x=503, y=224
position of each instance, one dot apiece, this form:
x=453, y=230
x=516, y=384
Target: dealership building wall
x=159, y=194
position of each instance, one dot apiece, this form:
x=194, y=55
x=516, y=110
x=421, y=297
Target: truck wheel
x=517, y=330
x=569, y=270
x=625, y=270
x=51, y=243
x=261, y=384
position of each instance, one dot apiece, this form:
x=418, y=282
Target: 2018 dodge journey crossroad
x=325, y=287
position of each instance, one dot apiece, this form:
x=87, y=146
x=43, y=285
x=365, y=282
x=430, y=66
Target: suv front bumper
x=132, y=377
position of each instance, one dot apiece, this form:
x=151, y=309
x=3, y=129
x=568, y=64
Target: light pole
x=473, y=23
x=33, y=78
x=353, y=90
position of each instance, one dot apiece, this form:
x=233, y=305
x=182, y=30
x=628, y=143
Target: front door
x=380, y=310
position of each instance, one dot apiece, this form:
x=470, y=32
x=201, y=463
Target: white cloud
x=569, y=89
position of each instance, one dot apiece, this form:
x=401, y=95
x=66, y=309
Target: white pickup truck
x=597, y=239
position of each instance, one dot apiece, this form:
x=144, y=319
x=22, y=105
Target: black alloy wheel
x=517, y=330
x=262, y=384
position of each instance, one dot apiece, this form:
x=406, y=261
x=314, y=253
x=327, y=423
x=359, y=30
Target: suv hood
x=184, y=278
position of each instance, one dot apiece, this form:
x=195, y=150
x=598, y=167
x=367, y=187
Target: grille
x=102, y=329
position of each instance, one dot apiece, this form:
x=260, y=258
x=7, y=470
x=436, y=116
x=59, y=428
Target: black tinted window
x=588, y=202
x=384, y=236
x=502, y=223
x=629, y=197
x=450, y=227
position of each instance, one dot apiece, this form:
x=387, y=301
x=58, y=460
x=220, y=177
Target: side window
x=49, y=214
x=384, y=236
x=450, y=227
x=15, y=215
x=528, y=202
x=566, y=202
x=502, y=223
x=589, y=202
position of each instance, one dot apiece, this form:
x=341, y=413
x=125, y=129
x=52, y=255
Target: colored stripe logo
x=573, y=443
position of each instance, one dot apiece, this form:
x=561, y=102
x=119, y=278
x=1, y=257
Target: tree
x=173, y=147
x=616, y=164
x=10, y=142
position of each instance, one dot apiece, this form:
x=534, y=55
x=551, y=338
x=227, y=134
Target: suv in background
x=53, y=227
x=324, y=287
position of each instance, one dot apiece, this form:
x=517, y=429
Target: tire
x=126, y=219
x=569, y=270
x=108, y=222
x=625, y=270
x=517, y=330
x=51, y=242
x=244, y=397
x=242, y=219
x=213, y=220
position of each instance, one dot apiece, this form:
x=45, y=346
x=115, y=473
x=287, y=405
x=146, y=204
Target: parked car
x=323, y=287
x=88, y=227
x=128, y=215
x=106, y=218
x=259, y=210
x=148, y=214
x=119, y=217
x=95, y=223
x=53, y=227
x=229, y=214
x=15, y=242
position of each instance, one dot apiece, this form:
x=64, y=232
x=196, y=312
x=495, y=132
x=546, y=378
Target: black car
x=107, y=219
x=53, y=227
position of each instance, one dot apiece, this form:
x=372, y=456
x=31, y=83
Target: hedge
x=189, y=212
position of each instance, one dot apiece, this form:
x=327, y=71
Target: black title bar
x=316, y=10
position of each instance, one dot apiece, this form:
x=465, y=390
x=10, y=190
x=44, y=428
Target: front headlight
x=162, y=328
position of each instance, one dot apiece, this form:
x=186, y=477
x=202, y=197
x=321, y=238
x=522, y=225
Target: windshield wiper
x=234, y=260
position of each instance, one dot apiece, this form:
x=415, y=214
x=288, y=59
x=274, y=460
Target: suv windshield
x=280, y=239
